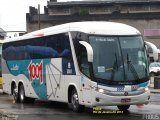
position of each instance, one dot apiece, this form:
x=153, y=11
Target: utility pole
x=39, y=24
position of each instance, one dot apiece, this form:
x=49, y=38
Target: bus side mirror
x=89, y=50
x=154, y=48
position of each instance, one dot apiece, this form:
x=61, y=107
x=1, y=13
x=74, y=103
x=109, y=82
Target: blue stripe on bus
x=32, y=70
x=145, y=84
x=22, y=67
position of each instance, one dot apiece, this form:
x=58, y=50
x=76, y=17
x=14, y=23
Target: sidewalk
x=152, y=89
x=157, y=91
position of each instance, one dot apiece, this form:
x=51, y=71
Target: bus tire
x=30, y=100
x=22, y=97
x=75, y=106
x=15, y=94
x=123, y=107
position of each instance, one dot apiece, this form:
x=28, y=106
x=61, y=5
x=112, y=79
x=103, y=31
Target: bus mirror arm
x=89, y=50
x=154, y=48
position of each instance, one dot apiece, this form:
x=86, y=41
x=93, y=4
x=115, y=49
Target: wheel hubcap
x=75, y=100
x=14, y=94
x=22, y=95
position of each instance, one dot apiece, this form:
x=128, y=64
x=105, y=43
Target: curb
x=155, y=91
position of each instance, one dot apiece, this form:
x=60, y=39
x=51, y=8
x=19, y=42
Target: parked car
x=154, y=68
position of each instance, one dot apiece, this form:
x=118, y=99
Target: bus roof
x=89, y=27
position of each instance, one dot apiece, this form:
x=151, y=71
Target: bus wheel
x=123, y=107
x=15, y=93
x=22, y=94
x=76, y=107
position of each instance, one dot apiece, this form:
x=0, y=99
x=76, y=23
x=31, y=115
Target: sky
x=13, y=13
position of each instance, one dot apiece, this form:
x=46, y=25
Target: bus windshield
x=121, y=60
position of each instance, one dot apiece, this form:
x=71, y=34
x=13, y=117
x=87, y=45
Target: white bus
x=81, y=63
x=1, y=80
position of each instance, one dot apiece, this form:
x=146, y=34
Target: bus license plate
x=125, y=100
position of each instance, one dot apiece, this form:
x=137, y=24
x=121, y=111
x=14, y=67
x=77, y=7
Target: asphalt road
x=42, y=110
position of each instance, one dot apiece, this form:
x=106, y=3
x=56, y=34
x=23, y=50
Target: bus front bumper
x=101, y=99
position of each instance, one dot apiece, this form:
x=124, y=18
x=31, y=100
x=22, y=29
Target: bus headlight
x=101, y=90
x=146, y=89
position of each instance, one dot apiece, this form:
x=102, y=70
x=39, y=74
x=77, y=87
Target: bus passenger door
x=85, y=77
x=86, y=90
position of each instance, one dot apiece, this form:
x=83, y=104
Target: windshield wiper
x=115, y=67
x=130, y=65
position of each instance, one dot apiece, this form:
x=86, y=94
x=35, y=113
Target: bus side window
x=83, y=61
x=81, y=52
x=65, y=53
x=9, y=53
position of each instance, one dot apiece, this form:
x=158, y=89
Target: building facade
x=2, y=34
x=141, y=14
